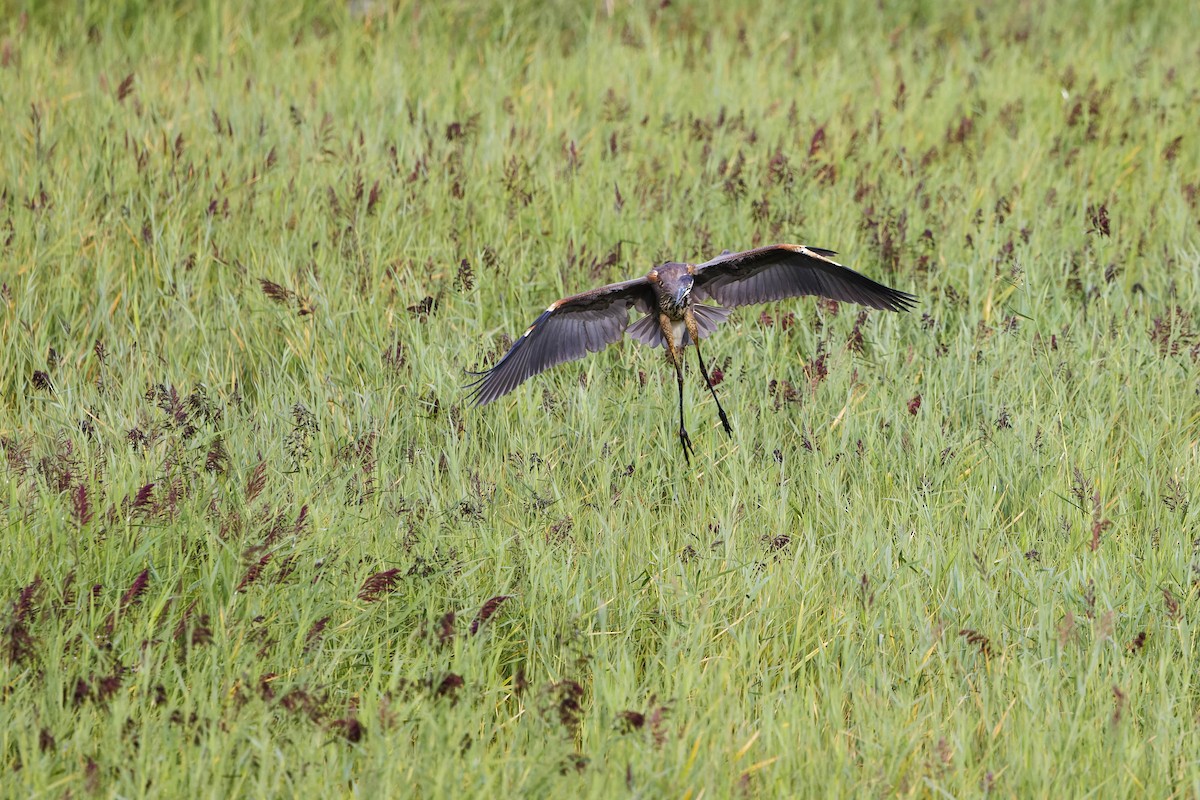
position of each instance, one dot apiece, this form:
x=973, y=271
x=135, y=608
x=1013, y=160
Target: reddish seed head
x=254, y=572
x=449, y=686
x=350, y=728
x=446, y=627
x=135, y=589
x=489, y=608
x=379, y=584
x=631, y=720
x=315, y=634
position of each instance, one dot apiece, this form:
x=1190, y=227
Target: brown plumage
x=584, y=323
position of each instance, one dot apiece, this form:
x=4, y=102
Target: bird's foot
x=725, y=424
x=688, y=449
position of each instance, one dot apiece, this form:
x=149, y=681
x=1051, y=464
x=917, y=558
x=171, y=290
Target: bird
x=671, y=298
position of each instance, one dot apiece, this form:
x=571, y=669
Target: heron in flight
x=671, y=296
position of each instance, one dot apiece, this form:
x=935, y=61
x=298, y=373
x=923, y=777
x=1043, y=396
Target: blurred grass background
x=254, y=539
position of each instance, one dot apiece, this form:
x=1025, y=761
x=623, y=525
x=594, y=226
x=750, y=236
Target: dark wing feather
x=569, y=329
x=790, y=270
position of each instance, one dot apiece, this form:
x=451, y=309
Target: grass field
x=255, y=542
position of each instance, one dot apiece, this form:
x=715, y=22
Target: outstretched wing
x=569, y=329
x=791, y=270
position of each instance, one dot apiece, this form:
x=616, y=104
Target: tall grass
x=256, y=543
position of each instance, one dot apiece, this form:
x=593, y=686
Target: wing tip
x=481, y=390
x=902, y=301
x=823, y=252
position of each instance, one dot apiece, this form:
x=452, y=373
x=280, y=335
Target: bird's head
x=682, y=290
x=674, y=282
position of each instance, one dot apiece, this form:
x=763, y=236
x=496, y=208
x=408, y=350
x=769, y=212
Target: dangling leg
x=694, y=333
x=713, y=389
x=684, y=439
x=674, y=352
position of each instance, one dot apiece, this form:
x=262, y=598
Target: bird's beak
x=681, y=295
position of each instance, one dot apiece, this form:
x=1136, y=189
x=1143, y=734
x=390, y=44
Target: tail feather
x=647, y=330
x=708, y=318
